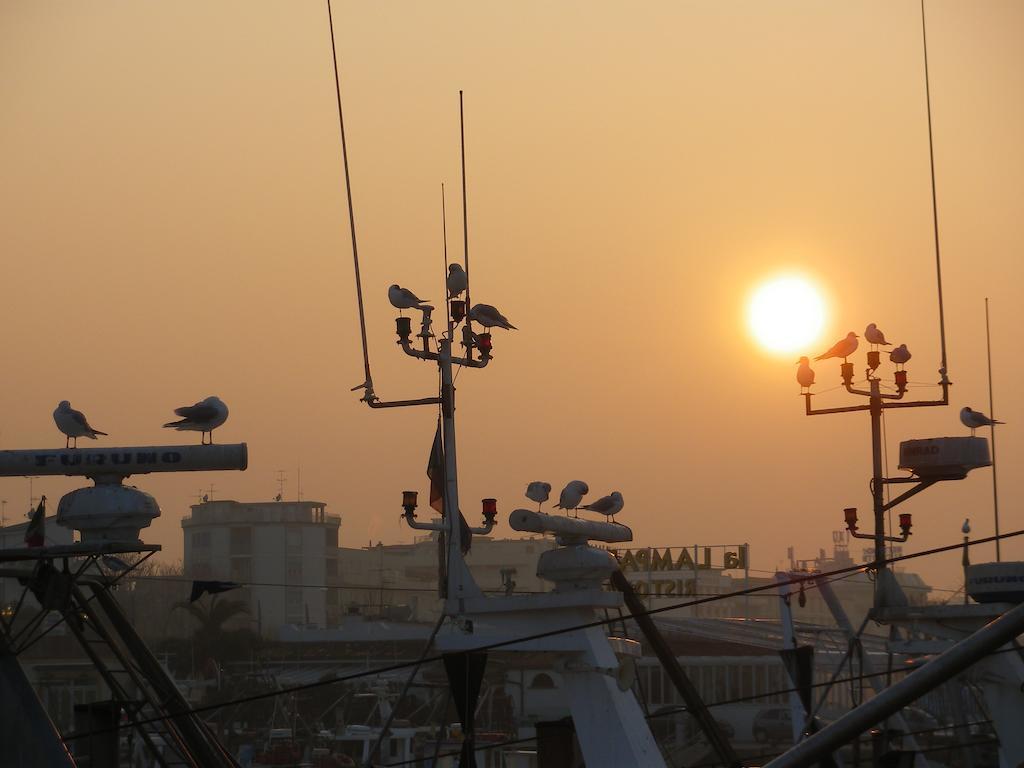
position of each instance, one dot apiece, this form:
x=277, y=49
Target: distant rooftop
x=226, y=511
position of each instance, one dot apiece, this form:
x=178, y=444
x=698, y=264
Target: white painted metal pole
x=954, y=661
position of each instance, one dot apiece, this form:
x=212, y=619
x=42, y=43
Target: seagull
x=900, y=355
x=975, y=419
x=842, y=348
x=572, y=495
x=73, y=424
x=403, y=298
x=489, y=317
x=804, y=374
x=875, y=336
x=538, y=491
x=205, y=416
x=457, y=281
x=609, y=505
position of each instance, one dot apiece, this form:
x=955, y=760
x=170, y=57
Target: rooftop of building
x=230, y=512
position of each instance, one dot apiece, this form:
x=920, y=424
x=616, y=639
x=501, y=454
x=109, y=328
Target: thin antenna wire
x=935, y=206
x=465, y=213
x=444, y=240
x=992, y=415
x=351, y=212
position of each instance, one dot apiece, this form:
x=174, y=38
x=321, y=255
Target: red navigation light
x=409, y=501
x=901, y=380
x=847, y=373
x=874, y=359
x=851, y=518
x=483, y=342
x=490, y=509
x=403, y=327
x=905, y=522
x=458, y=310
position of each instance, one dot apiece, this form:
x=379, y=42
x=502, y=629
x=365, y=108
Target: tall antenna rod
x=992, y=415
x=943, y=371
x=368, y=384
x=465, y=215
x=444, y=240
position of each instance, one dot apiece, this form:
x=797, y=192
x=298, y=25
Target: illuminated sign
x=682, y=559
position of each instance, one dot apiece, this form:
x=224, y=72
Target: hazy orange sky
x=172, y=225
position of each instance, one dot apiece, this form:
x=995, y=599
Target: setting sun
x=786, y=314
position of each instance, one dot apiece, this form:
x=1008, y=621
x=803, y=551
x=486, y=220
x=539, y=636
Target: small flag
x=199, y=588
x=435, y=471
x=35, y=534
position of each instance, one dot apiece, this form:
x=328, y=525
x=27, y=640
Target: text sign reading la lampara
x=682, y=558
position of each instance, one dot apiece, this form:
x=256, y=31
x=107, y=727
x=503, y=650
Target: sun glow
x=786, y=314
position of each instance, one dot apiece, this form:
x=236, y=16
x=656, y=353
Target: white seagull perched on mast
x=900, y=355
x=842, y=348
x=875, y=336
x=572, y=495
x=403, y=298
x=974, y=419
x=609, y=505
x=73, y=424
x=458, y=281
x=205, y=416
x=804, y=374
x=490, y=317
x=538, y=491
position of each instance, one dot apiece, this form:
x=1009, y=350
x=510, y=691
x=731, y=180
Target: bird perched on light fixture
x=205, y=416
x=900, y=355
x=842, y=348
x=458, y=281
x=538, y=491
x=490, y=317
x=609, y=505
x=974, y=419
x=73, y=424
x=572, y=495
x=875, y=337
x=804, y=374
x=403, y=298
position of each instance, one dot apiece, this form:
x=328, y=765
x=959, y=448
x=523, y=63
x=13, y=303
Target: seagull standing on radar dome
x=875, y=336
x=609, y=505
x=402, y=298
x=490, y=317
x=538, y=491
x=205, y=416
x=804, y=374
x=572, y=495
x=73, y=424
x=974, y=419
x=900, y=355
x=458, y=281
x=842, y=348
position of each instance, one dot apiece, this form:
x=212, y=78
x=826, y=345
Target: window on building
x=331, y=538
x=293, y=605
x=293, y=539
x=201, y=539
x=542, y=681
x=241, y=541
x=241, y=569
x=293, y=570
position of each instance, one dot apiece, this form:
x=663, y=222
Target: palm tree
x=211, y=639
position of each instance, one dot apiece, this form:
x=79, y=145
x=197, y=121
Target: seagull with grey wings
x=875, y=337
x=205, y=416
x=974, y=419
x=842, y=348
x=572, y=495
x=458, y=281
x=73, y=424
x=804, y=374
x=403, y=298
x=490, y=317
x=609, y=505
x=538, y=491
x=900, y=355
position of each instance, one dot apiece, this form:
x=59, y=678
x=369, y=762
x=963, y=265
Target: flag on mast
x=435, y=471
x=35, y=534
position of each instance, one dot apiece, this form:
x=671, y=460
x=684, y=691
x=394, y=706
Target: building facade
x=283, y=553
